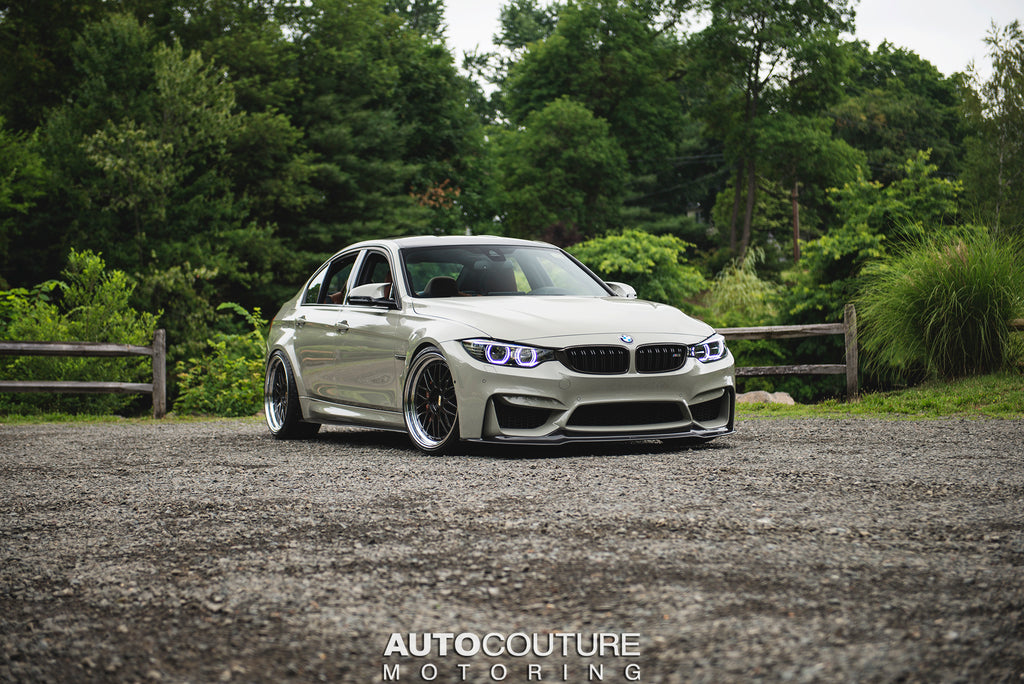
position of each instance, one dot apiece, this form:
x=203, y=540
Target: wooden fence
x=848, y=329
x=157, y=351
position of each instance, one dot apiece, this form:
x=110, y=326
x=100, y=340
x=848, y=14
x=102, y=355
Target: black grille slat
x=660, y=358
x=520, y=417
x=706, y=411
x=626, y=414
x=596, y=360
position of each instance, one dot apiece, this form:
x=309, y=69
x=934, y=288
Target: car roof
x=447, y=240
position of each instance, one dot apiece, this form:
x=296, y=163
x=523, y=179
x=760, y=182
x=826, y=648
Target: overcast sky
x=947, y=33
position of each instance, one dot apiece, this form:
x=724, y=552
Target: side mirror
x=622, y=290
x=372, y=294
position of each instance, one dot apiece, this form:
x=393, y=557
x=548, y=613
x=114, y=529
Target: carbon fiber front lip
x=562, y=438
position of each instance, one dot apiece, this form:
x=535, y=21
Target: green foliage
x=897, y=103
x=612, y=58
x=748, y=64
x=215, y=151
x=620, y=61
x=873, y=218
x=563, y=175
x=384, y=112
x=655, y=265
x=738, y=297
x=994, y=168
x=93, y=306
x=941, y=306
x=35, y=50
x=227, y=380
x=22, y=182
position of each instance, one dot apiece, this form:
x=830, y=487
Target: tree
x=22, y=184
x=562, y=174
x=245, y=38
x=800, y=152
x=148, y=166
x=896, y=104
x=425, y=16
x=746, y=50
x=875, y=219
x=383, y=110
x=611, y=57
x=35, y=50
x=622, y=61
x=994, y=173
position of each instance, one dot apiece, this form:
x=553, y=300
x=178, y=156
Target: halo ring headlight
x=507, y=354
x=498, y=354
x=709, y=350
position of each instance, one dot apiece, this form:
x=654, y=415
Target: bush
x=228, y=380
x=738, y=297
x=655, y=265
x=941, y=307
x=88, y=305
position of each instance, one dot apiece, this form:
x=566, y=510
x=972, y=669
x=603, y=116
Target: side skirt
x=319, y=411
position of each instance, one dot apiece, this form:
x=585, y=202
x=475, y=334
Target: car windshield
x=496, y=270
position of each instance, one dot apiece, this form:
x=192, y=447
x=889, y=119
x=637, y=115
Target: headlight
x=711, y=349
x=505, y=354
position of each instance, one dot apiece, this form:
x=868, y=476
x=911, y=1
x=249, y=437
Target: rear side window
x=332, y=285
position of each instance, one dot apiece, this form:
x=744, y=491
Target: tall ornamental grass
x=941, y=307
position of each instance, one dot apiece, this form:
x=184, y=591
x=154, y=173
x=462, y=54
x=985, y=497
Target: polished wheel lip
x=430, y=406
x=275, y=394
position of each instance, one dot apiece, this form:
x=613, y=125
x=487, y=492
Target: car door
x=368, y=372
x=346, y=351
x=318, y=340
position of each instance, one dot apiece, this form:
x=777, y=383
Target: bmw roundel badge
x=626, y=338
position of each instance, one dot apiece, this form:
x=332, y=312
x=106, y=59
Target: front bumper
x=551, y=404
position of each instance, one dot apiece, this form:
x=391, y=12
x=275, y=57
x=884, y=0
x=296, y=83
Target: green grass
x=1000, y=395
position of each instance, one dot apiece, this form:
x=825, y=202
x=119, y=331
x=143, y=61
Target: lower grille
x=520, y=417
x=708, y=410
x=596, y=360
x=627, y=413
x=660, y=358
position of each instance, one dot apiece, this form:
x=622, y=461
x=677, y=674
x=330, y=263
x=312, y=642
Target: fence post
x=850, y=336
x=159, y=373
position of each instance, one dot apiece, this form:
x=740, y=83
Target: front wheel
x=430, y=405
x=281, y=401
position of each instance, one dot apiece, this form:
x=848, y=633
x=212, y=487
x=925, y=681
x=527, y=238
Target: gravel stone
x=797, y=551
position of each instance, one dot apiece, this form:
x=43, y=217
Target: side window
x=312, y=295
x=335, y=282
x=376, y=269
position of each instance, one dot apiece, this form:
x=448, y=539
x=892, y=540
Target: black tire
x=281, y=401
x=429, y=403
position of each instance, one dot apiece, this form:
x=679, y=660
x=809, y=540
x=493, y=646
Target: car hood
x=551, y=320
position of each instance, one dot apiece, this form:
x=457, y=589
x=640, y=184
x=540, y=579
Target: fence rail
x=157, y=351
x=848, y=329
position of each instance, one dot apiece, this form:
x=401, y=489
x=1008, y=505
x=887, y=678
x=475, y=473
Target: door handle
x=342, y=326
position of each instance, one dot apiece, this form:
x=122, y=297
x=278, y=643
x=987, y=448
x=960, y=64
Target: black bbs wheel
x=431, y=408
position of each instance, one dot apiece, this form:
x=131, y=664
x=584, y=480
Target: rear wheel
x=430, y=405
x=281, y=401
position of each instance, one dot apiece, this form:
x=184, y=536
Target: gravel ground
x=807, y=550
